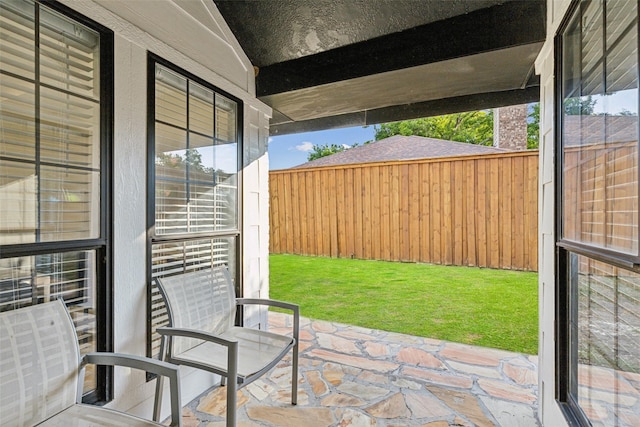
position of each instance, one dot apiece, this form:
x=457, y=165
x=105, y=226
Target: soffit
x=493, y=71
x=329, y=63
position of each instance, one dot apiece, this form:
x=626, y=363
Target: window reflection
x=196, y=157
x=607, y=331
x=599, y=211
x=600, y=128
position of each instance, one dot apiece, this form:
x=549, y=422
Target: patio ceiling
x=335, y=63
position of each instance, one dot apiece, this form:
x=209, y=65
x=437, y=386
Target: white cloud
x=346, y=146
x=270, y=140
x=306, y=146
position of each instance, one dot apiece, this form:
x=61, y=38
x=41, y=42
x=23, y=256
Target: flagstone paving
x=352, y=376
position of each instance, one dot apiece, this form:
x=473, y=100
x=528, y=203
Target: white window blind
x=196, y=160
x=600, y=127
x=196, y=183
x=50, y=162
x=49, y=180
x=599, y=340
x=182, y=257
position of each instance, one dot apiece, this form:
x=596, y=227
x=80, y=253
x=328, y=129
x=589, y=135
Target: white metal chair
x=201, y=306
x=41, y=373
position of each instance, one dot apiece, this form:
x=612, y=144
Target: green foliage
x=192, y=158
x=474, y=127
x=325, y=150
x=579, y=106
x=329, y=149
x=478, y=306
x=533, y=127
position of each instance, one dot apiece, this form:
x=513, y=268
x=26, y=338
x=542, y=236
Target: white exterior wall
x=192, y=35
x=255, y=196
x=549, y=412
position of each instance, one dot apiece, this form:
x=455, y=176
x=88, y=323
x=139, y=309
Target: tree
x=533, y=127
x=192, y=157
x=319, y=151
x=474, y=127
x=581, y=106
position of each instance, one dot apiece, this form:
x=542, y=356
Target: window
x=606, y=341
x=54, y=118
x=193, y=179
x=599, y=259
x=600, y=127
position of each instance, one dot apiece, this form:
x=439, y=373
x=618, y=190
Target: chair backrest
x=39, y=361
x=202, y=300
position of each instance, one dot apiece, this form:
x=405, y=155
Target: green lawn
x=485, y=307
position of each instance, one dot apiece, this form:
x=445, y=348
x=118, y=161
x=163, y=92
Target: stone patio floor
x=352, y=376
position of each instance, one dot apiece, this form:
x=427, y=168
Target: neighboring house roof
x=583, y=130
x=400, y=147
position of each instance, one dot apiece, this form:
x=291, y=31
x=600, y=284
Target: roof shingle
x=399, y=147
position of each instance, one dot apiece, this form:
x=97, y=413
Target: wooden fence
x=468, y=210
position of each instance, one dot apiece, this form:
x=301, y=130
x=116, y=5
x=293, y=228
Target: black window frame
x=102, y=245
x=154, y=239
x=565, y=294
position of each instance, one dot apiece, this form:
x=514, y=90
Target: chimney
x=510, y=127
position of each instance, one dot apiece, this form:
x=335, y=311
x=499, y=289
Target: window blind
x=56, y=162
x=196, y=157
x=600, y=128
x=195, y=221
x=50, y=161
x=181, y=257
x=609, y=324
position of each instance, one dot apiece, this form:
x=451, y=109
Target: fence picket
x=466, y=210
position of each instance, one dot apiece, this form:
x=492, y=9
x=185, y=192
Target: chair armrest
x=270, y=302
x=145, y=364
x=232, y=346
x=136, y=362
x=281, y=304
x=194, y=333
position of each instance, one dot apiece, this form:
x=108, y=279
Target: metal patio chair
x=201, y=306
x=41, y=373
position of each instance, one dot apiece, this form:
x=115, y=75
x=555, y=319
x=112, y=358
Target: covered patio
x=353, y=376
x=134, y=147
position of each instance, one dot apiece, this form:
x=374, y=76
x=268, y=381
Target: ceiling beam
x=510, y=24
x=410, y=111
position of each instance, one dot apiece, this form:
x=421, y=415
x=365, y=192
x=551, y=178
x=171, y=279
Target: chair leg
x=157, y=405
x=231, y=402
x=294, y=363
x=232, y=383
x=294, y=376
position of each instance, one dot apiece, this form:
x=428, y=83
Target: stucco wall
x=204, y=46
x=549, y=412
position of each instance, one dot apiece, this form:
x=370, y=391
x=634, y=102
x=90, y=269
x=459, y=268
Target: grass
x=485, y=307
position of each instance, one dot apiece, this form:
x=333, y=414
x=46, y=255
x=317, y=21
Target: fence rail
x=468, y=210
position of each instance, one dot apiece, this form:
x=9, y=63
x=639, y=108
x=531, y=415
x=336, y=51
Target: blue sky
x=291, y=150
